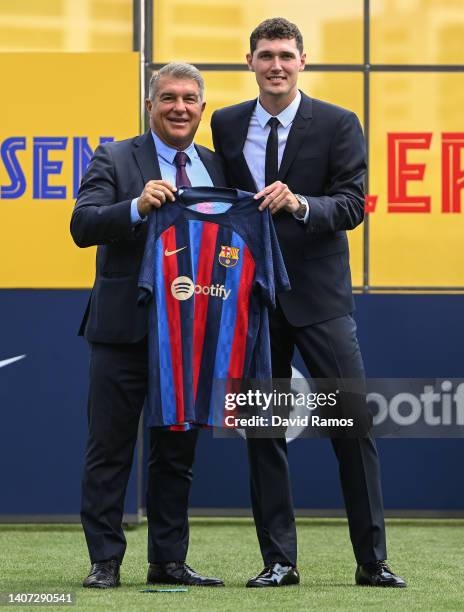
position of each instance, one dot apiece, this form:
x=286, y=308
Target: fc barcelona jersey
x=211, y=269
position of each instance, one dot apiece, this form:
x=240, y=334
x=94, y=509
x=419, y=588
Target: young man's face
x=276, y=64
x=176, y=111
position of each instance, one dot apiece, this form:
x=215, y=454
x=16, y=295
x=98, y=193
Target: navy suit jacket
x=324, y=160
x=116, y=174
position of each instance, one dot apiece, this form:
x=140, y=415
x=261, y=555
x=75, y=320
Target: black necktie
x=271, y=168
x=182, y=179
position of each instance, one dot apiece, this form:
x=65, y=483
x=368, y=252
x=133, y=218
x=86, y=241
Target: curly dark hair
x=277, y=27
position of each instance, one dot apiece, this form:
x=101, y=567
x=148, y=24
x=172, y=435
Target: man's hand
x=154, y=195
x=277, y=196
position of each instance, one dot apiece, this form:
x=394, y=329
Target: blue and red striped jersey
x=211, y=269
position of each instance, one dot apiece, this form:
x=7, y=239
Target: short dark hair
x=277, y=27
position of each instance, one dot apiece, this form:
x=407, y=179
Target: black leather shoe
x=275, y=575
x=103, y=575
x=378, y=574
x=178, y=572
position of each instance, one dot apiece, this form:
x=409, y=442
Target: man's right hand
x=154, y=195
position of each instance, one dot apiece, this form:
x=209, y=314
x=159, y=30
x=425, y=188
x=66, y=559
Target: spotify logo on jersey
x=182, y=288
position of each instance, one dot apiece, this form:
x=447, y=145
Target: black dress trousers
x=118, y=385
x=329, y=350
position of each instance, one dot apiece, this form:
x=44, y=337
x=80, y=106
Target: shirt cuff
x=134, y=213
x=306, y=217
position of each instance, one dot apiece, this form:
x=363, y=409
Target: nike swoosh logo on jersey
x=6, y=362
x=169, y=253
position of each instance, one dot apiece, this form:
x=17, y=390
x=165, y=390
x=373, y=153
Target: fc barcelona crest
x=228, y=257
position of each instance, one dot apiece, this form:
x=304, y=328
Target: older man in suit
x=306, y=158
x=124, y=183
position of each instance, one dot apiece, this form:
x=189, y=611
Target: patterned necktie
x=271, y=167
x=180, y=159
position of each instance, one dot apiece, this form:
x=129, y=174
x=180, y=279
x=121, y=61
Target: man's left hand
x=278, y=196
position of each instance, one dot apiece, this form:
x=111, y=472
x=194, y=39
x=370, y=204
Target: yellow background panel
x=417, y=31
x=66, y=25
x=69, y=95
x=218, y=32
x=344, y=89
x=416, y=249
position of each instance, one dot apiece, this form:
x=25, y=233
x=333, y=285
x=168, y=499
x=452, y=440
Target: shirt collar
x=168, y=153
x=285, y=117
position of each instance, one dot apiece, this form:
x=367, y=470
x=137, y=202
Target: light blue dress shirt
x=195, y=169
x=256, y=140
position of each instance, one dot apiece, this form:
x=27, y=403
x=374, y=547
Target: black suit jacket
x=116, y=174
x=324, y=160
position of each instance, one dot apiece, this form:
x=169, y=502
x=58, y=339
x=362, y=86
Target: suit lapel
x=213, y=167
x=240, y=127
x=296, y=137
x=146, y=157
x=244, y=171
x=240, y=131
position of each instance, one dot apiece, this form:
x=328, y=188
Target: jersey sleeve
x=271, y=275
x=281, y=280
x=147, y=267
x=261, y=362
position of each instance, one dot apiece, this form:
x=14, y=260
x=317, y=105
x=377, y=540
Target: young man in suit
x=306, y=158
x=124, y=182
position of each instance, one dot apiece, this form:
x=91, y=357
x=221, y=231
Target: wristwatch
x=300, y=213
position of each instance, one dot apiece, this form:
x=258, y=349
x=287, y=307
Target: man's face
x=176, y=111
x=276, y=64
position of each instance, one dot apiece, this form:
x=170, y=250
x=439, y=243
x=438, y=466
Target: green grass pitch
x=428, y=554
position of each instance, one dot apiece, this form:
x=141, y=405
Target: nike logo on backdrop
x=6, y=362
x=169, y=253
